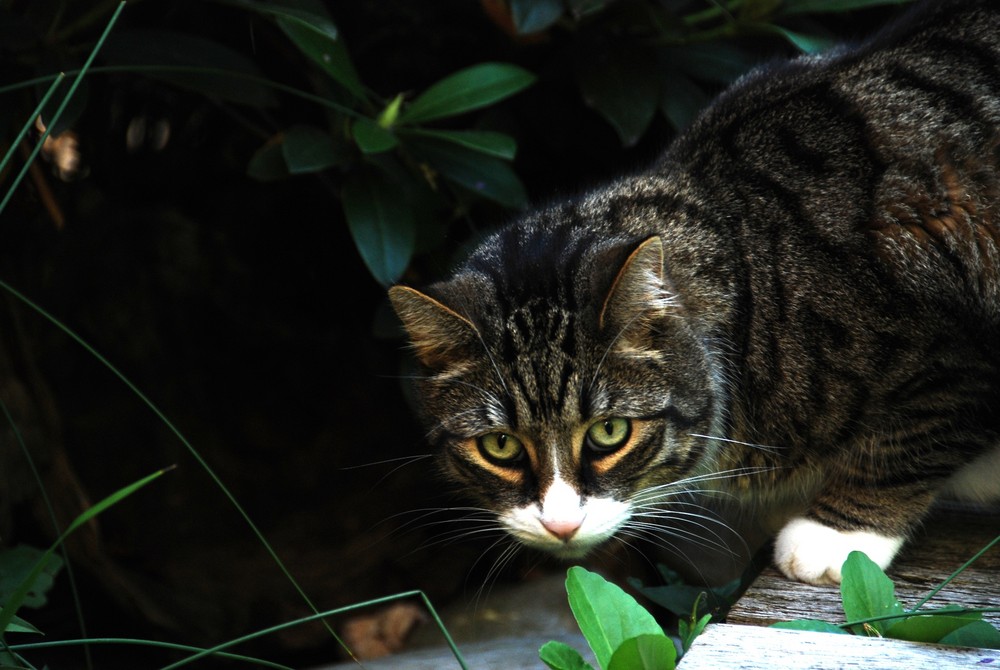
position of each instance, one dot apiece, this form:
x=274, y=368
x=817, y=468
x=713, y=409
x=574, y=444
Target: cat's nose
x=562, y=528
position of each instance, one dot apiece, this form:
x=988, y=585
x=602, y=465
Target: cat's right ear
x=639, y=297
x=440, y=336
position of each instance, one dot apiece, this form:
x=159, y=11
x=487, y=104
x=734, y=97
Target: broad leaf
x=809, y=44
x=484, y=175
x=311, y=12
x=533, y=16
x=15, y=566
x=813, y=625
x=309, y=149
x=466, y=90
x=832, y=6
x=191, y=62
x=371, y=137
x=926, y=627
x=867, y=592
x=718, y=62
x=681, y=100
x=607, y=615
x=19, y=625
x=624, y=87
x=483, y=141
x=644, y=652
x=559, y=656
x=381, y=224
x=268, y=162
x=974, y=634
x=325, y=50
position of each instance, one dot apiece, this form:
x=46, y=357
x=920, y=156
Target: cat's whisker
x=752, y=445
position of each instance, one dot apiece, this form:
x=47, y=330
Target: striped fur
x=800, y=299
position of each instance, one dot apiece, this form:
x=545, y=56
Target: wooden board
x=753, y=648
x=951, y=537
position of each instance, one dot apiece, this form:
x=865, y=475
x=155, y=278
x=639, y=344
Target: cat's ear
x=639, y=298
x=440, y=336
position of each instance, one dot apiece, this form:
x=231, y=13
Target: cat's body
x=801, y=297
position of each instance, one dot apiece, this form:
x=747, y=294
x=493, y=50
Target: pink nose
x=561, y=528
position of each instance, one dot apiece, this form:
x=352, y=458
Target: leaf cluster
x=871, y=608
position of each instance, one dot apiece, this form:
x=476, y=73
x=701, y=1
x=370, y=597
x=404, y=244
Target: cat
x=798, y=303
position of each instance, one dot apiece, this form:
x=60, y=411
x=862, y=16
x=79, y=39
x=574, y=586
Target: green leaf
x=19, y=625
x=682, y=100
x=926, y=627
x=175, y=49
x=624, y=87
x=680, y=598
x=809, y=44
x=690, y=632
x=312, y=12
x=268, y=162
x=387, y=117
x=867, y=592
x=466, y=90
x=813, y=625
x=483, y=141
x=484, y=175
x=381, y=224
x=717, y=62
x=559, y=656
x=326, y=50
x=974, y=634
x=607, y=615
x=833, y=6
x=16, y=565
x=644, y=652
x=371, y=137
x=16, y=599
x=534, y=16
x=309, y=149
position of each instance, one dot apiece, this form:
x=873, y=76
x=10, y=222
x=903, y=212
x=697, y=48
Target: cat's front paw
x=810, y=552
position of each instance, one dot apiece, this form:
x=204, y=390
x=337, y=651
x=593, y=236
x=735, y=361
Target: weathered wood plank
x=753, y=647
x=951, y=537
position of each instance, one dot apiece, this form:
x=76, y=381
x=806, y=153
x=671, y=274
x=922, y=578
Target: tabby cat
x=799, y=303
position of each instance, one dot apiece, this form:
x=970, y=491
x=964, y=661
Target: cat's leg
x=813, y=547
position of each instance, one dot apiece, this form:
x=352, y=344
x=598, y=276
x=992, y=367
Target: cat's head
x=564, y=382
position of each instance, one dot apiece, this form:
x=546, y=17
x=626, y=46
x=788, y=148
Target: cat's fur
x=811, y=272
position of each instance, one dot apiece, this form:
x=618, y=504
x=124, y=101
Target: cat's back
x=875, y=164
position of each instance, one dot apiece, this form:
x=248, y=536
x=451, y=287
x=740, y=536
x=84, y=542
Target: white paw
x=810, y=552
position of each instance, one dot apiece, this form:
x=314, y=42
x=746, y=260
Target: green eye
x=608, y=435
x=500, y=447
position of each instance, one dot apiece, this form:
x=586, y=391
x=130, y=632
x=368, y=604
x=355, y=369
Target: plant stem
x=952, y=576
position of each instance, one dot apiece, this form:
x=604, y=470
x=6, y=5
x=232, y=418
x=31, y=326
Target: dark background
x=243, y=311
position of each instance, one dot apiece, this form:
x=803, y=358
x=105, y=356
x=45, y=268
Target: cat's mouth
x=569, y=536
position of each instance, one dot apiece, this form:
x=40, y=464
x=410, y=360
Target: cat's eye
x=501, y=448
x=607, y=435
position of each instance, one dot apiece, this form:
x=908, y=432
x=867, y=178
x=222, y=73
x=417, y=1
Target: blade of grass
x=323, y=615
x=957, y=572
x=77, y=605
x=50, y=123
x=29, y=646
x=17, y=597
x=187, y=445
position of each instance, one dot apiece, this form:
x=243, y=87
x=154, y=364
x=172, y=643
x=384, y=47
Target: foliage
x=622, y=634
x=871, y=608
x=677, y=596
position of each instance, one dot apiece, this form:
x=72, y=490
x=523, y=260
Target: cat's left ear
x=639, y=298
x=440, y=336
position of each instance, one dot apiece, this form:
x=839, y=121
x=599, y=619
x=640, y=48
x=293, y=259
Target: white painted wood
x=724, y=646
